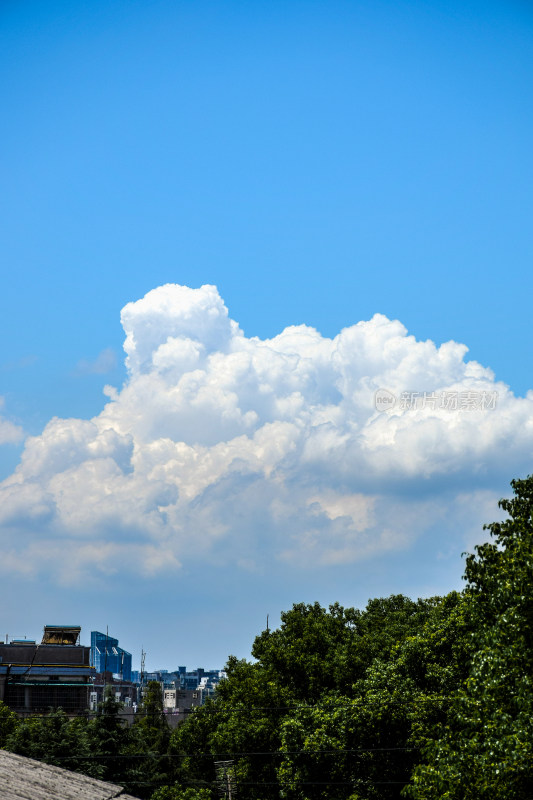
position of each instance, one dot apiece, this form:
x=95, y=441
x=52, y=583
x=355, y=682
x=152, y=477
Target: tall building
x=107, y=656
x=53, y=674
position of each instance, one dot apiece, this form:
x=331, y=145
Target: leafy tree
x=330, y=689
x=103, y=747
x=151, y=720
x=367, y=740
x=302, y=654
x=152, y=703
x=177, y=793
x=56, y=739
x=241, y=724
x=151, y=733
x=108, y=737
x=118, y=749
x=8, y=723
x=485, y=749
x=316, y=651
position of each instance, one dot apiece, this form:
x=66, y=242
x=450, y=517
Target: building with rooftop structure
x=53, y=674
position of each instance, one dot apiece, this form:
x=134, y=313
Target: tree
x=103, y=747
x=485, y=749
x=114, y=746
x=151, y=734
x=56, y=739
x=151, y=717
x=367, y=739
x=330, y=690
x=179, y=793
x=8, y=723
x=318, y=650
x=303, y=654
x=242, y=724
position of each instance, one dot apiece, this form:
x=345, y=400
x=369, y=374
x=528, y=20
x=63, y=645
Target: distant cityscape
x=60, y=672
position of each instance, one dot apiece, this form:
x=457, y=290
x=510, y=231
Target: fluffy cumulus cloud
x=299, y=448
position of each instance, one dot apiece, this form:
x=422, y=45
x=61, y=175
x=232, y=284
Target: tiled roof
x=25, y=779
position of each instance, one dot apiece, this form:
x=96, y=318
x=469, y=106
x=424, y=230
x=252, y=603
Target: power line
x=339, y=751
x=204, y=784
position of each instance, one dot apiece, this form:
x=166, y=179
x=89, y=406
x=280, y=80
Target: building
x=124, y=692
x=56, y=673
x=107, y=656
x=200, y=678
x=179, y=703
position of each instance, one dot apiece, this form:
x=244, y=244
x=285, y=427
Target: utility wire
x=242, y=753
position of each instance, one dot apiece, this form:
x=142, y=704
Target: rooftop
x=23, y=778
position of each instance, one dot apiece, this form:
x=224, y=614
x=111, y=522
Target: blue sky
x=319, y=163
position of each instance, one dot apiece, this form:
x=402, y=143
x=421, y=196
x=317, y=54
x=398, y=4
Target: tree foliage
x=180, y=793
x=102, y=747
x=486, y=748
x=8, y=723
x=333, y=703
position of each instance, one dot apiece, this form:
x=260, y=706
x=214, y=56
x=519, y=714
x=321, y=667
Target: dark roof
x=23, y=778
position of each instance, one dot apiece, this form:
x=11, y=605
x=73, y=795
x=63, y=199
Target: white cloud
x=239, y=449
x=10, y=433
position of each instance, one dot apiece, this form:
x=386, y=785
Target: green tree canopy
x=8, y=723
x=486, y=748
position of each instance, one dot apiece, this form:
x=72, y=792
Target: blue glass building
x=107, y=656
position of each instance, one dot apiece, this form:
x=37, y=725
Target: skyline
x=226, y=228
